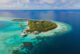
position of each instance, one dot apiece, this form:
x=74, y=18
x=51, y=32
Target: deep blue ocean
x=68, y=43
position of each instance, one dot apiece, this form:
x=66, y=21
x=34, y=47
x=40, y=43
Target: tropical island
x=19, y=20
x=41, y=26
x=37, y=26
x=37, y=31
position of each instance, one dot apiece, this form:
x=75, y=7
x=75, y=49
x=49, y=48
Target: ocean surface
x=65, y=44
x=68, y=43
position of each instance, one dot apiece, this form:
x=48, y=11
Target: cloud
x=48, y=1
x=44, y=4
x=4, y=1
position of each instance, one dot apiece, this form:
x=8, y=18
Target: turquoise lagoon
x=11, y=39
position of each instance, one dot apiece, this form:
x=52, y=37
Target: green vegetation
x=19, y=20
x=40, y=26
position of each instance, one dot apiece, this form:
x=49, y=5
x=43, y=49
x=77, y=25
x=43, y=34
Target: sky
x=39, y=4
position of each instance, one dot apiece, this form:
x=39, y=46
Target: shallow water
x=10, y=38
x=9, y=31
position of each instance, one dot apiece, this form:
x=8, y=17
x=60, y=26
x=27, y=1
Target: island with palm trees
x=37, y=26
